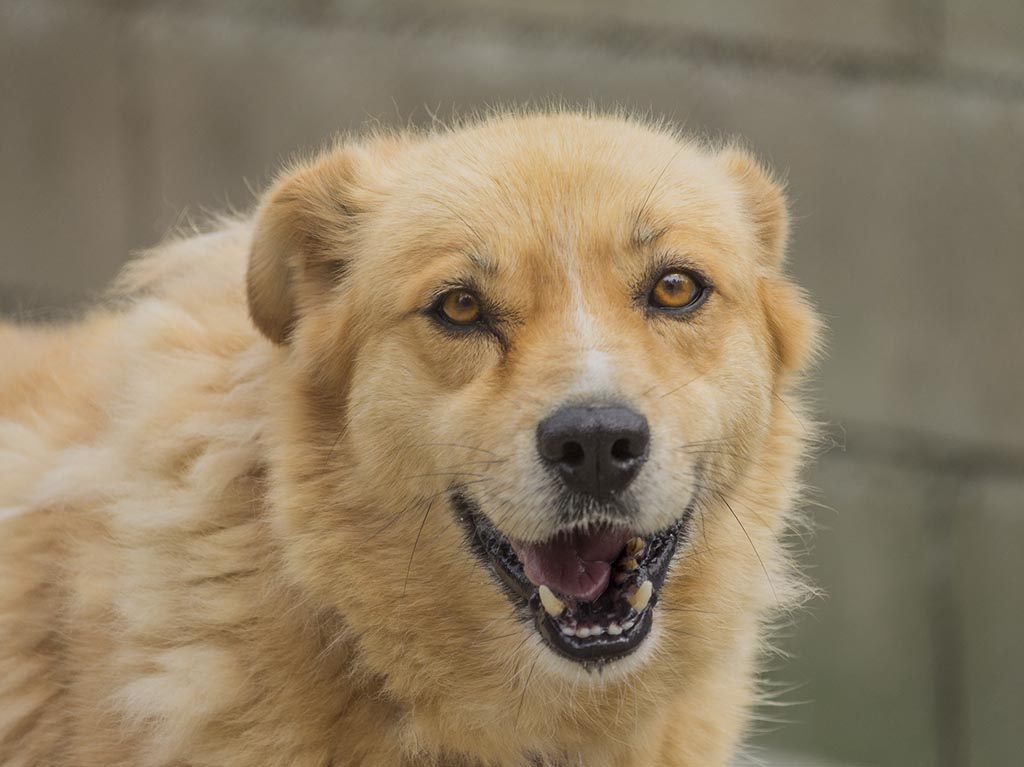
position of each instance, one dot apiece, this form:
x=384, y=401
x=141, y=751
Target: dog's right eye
x=460, y=307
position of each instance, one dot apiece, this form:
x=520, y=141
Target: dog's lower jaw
x=681, y=733
x=699, y=724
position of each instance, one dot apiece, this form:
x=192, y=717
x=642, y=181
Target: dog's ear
x=765, y=201
x=794, y=325
x=792, y=322
x=302, y=240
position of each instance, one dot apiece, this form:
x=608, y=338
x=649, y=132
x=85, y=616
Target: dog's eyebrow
x=484, y=264
x=645, y=235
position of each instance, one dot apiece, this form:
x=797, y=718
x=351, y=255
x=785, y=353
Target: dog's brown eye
x=675, y=289
x=461, y=307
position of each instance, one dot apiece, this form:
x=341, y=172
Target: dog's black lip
x=495, y=552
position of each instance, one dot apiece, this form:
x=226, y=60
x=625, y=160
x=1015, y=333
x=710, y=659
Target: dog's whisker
x=526, y=687
x=457, y=445
x=752, y=546
x=334, y=446
x=448, y=490
x=415, y=544
x=681, y=386
x=443, y=474
x=485, y=640
x=650, y=192
x=392, y=520
x=454, y=468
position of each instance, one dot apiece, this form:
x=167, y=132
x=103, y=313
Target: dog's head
x=532, y=411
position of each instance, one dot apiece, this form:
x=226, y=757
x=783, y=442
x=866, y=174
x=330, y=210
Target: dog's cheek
x=461, y=371
x=718, y=399
x=406, y=402
x=457, y=362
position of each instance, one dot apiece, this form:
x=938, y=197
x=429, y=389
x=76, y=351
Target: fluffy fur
x=225, y=536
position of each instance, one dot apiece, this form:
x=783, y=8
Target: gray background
x=900, y=125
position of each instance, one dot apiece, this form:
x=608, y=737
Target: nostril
x=572, y=453
x=622, y=450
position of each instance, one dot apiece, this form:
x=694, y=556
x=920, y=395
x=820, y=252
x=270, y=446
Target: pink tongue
x=574, y=564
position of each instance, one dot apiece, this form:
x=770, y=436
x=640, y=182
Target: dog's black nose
x=596, y=450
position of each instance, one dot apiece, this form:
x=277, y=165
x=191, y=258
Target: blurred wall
x=900, y=125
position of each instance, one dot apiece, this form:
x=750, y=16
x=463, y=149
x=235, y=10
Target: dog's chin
x=594, y=621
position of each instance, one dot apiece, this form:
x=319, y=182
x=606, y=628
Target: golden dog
x=506, y=485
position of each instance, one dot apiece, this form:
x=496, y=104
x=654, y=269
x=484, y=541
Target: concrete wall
x=900, y=124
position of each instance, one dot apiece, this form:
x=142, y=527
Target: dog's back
x=45, y=406
x=66, y=397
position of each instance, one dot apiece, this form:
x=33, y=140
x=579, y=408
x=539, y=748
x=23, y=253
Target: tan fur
x=219, y=549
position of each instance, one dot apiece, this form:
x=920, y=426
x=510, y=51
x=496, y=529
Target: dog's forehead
x=580, y=176
x=535, y=198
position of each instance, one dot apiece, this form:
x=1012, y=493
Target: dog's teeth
x=552, y=604
x=629, y=564
x=568, y=631
x=596, y=631
x=583, y=632
x=642, y=597
x=634, y=546
x=628, y=625
x=614, y=629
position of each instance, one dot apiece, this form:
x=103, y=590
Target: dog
x=475, y=446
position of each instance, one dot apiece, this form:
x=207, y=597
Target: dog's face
x=525, y=365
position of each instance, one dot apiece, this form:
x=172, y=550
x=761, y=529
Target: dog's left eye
x=460, y=307
x=677, y=289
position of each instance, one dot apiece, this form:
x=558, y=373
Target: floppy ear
x=303, y=234
x=765, y=201
x=793, y=324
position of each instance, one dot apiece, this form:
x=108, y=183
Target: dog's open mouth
x=591, y=593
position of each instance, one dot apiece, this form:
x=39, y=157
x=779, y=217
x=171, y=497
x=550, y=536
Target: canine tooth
x=628, y=625
x=583, y=632
x=634, y=546
x=642, y=596
x=614, y=629
x=629, y=564
x=568, y=631
x=552, y=604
